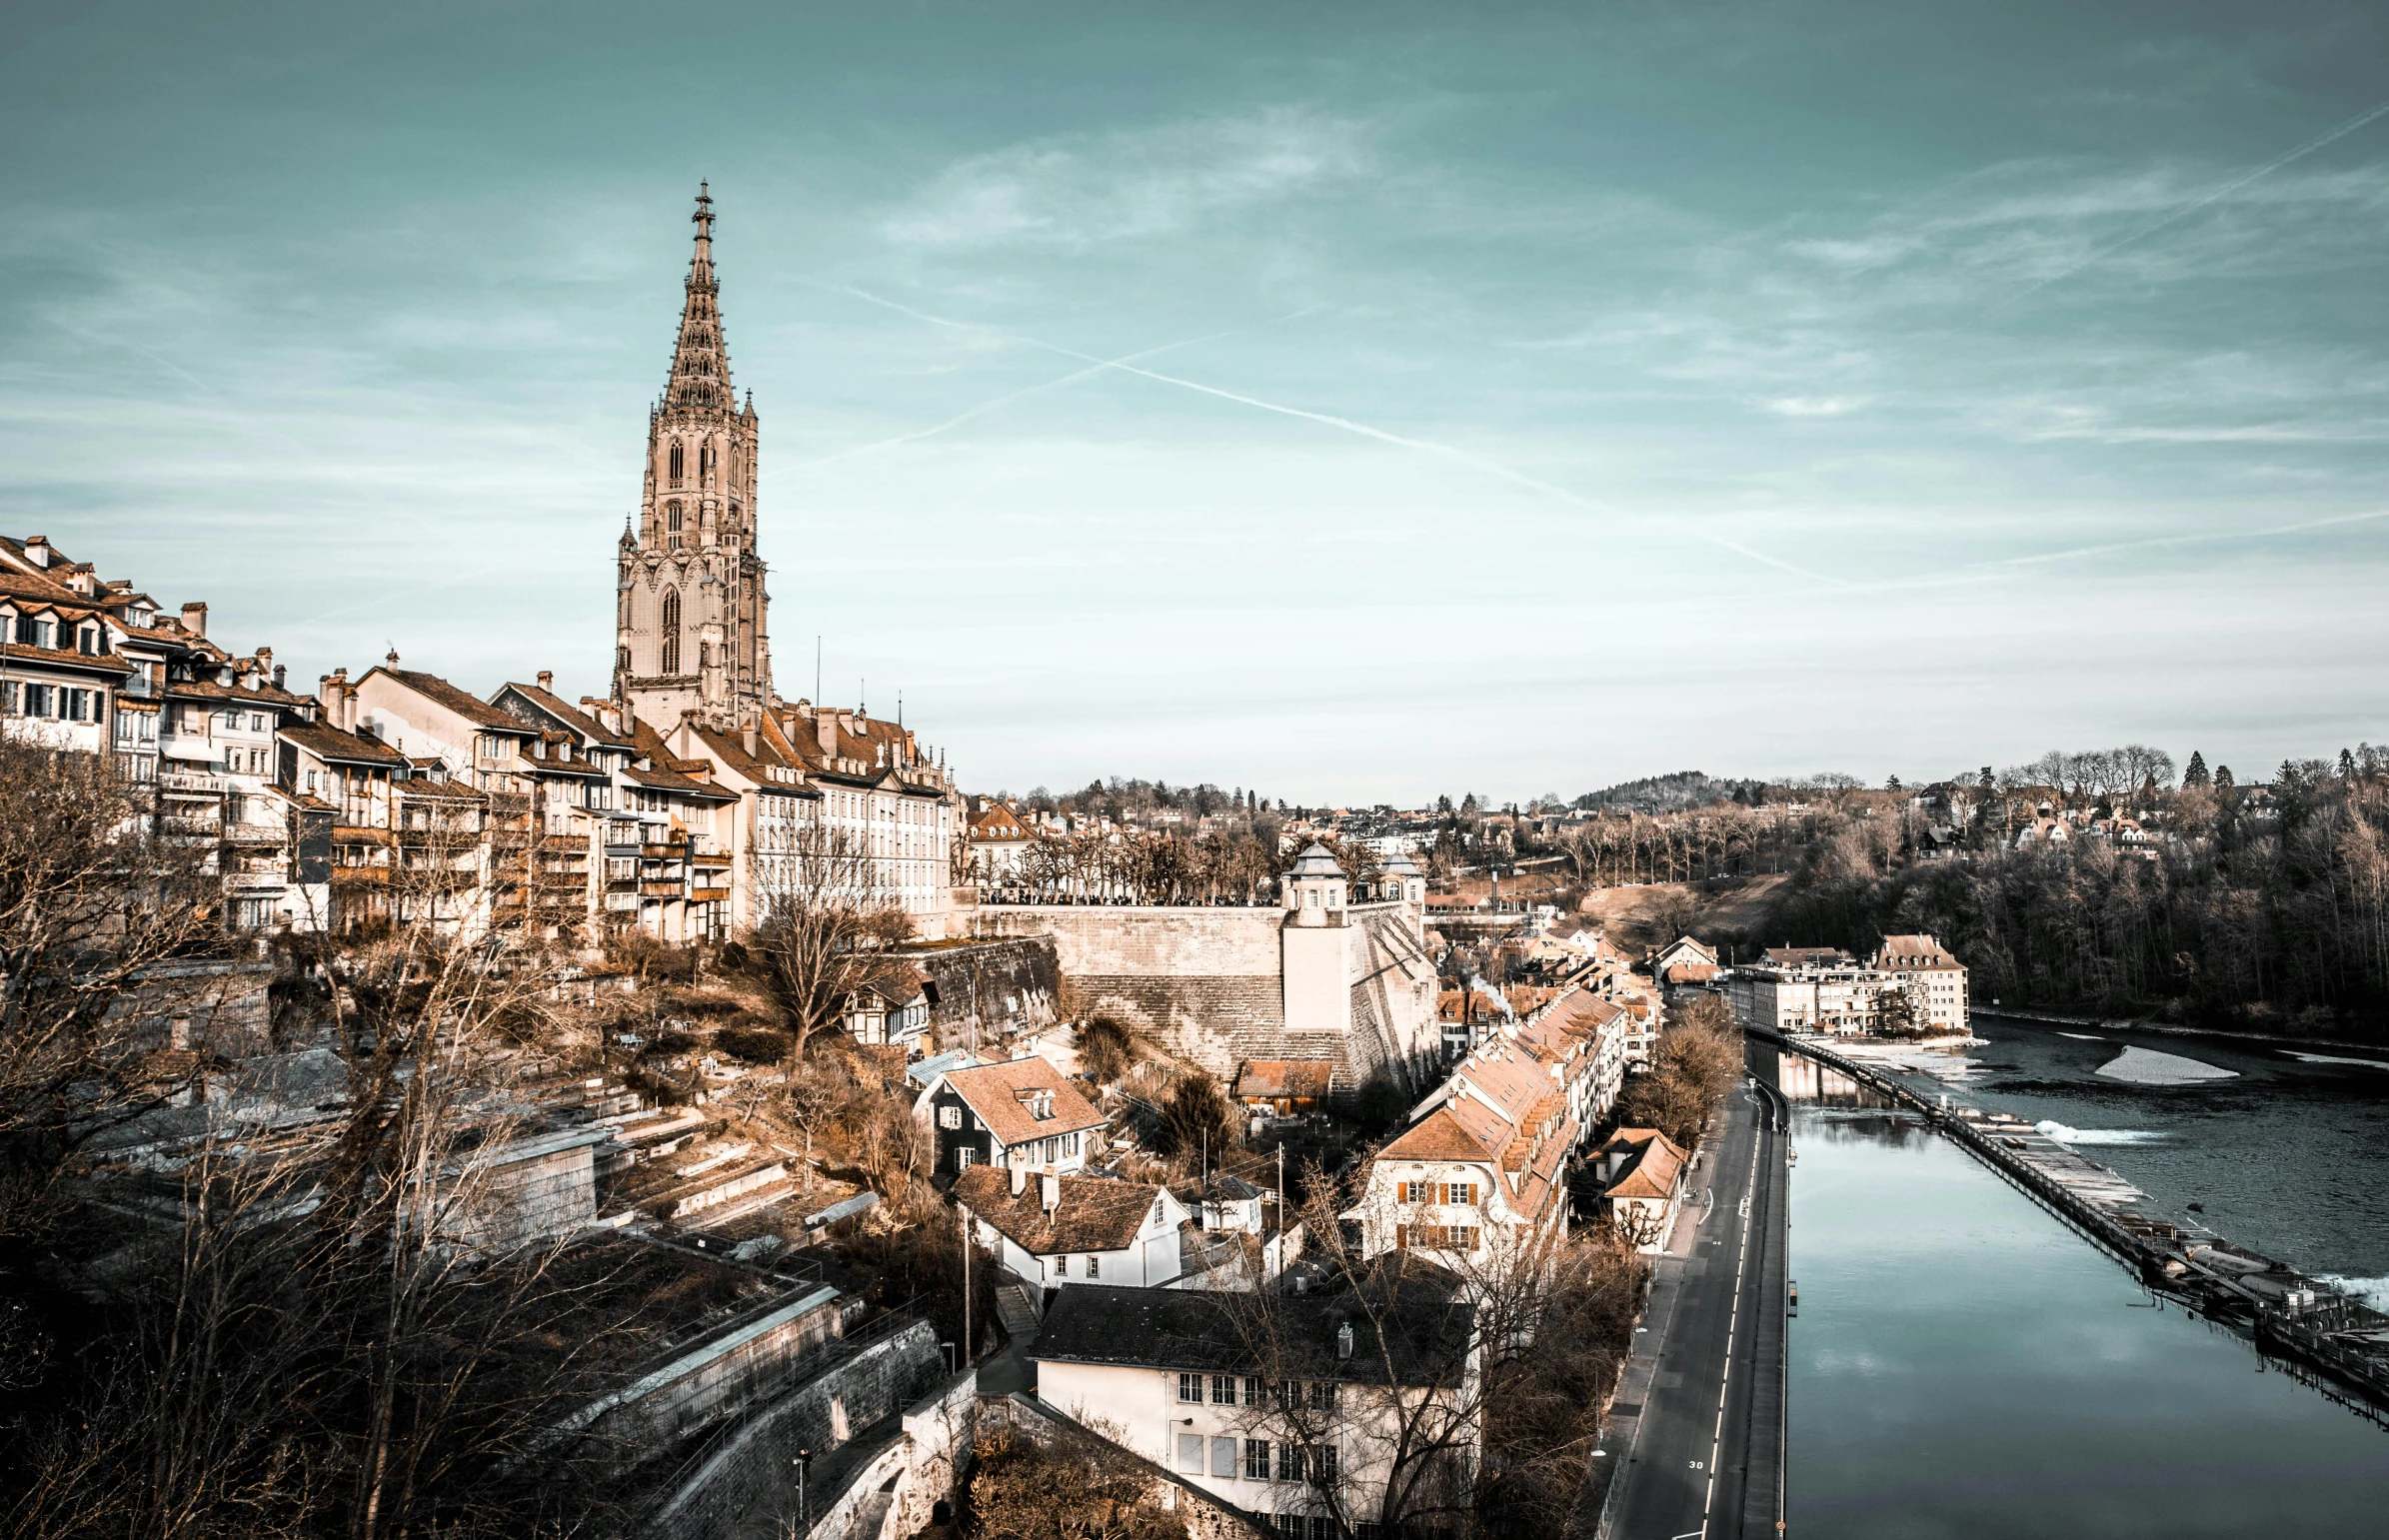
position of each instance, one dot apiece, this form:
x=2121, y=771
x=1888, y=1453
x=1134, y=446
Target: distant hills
x=1666, y=794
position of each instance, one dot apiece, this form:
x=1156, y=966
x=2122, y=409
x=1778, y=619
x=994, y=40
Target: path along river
x=1963, y=1365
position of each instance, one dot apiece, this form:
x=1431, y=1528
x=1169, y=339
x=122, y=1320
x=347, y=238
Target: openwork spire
x=700, y=360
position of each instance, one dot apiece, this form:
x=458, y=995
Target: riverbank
x=2171, y=1030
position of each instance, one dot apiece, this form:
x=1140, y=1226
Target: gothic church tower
x=690, y=633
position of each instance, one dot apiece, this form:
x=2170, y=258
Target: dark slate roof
x=1282, y=1334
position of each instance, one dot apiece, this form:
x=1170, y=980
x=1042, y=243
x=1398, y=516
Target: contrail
x=1007, y=400
x=1346, y=425
x=2182, y=539
x=2225, y=190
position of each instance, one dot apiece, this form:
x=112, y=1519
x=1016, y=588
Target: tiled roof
x=1271, y=1078
x=465, y=704
x=209, y=689
x=1440, y=1136
x=570, y=716
x=1411, y=1329
x=67, y=658
x=995, y=1092
x=1654, y=1161
x=1095, y=1213
x=329, y=743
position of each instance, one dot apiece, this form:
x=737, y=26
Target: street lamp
x=804, y=1463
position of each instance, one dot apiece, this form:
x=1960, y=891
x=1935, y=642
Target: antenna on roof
x=817, y=669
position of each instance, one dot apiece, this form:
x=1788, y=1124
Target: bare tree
x=828, y=923
x=107, y=930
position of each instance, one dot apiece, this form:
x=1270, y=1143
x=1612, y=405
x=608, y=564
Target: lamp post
x=804, y=1463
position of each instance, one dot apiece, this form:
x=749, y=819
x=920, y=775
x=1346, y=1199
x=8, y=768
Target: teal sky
x=1511, y=399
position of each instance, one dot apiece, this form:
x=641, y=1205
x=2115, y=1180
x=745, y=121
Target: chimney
x=824, y=728
x=1344, y=1340
x=1020, y=1180
x=749, y=739
x=37, y=549
x=547, y=680
x=279, y=671
x=194, y=617
x=1050, y=1190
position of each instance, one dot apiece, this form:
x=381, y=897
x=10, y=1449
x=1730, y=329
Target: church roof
x=700, y=358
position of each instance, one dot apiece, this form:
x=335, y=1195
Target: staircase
x=1018, y=1313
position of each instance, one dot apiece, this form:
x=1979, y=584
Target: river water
x=1963, y=1365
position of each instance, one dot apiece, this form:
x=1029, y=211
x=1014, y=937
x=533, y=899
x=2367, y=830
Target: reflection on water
x=1963, y=1365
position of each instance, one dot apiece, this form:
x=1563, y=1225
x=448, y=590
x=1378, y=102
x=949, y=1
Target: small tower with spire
x=690, y=623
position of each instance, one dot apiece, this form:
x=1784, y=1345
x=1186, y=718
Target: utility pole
x=962, y=1220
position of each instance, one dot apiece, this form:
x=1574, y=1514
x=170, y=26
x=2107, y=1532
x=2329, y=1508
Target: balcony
x=660, y=890
x=255, y=834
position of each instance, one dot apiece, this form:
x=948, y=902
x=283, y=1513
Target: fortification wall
x=1203, y=982
x=993, y=986
x=1207, y=983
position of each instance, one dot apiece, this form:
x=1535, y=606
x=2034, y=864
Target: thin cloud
x=1364, y=429
x=2226, y=190
x=1084, y=190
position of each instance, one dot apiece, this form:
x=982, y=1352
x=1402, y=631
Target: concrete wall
x=863, y=1404
x=713, y=1379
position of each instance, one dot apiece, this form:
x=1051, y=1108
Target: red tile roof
x=999, y=1094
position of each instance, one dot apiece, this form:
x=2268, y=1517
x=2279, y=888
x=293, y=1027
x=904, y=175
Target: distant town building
x=1823, y=990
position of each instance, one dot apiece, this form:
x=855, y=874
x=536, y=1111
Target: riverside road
x=1697, y=1427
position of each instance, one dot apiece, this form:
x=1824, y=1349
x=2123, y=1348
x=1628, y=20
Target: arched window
x=676, y=461
x=671, y=521
x=705, y=462
x=672, y=630
x=622, y=659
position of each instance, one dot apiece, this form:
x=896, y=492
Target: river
x=1964, y=1365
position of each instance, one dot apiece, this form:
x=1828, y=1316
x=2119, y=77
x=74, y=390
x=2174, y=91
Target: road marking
x=1734, y=1325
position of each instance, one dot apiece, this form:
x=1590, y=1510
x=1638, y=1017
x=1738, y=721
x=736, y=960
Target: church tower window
x=671, y=521
x=676, y=453
x=672, y=630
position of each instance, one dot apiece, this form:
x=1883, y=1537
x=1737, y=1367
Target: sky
x=1352, y=402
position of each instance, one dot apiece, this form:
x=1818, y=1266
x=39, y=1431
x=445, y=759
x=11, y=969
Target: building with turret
x=692, y=630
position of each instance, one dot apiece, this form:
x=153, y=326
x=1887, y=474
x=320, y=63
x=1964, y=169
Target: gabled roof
x=1442, y=1134
x=332, y=743
x=997, y=822
x=1095, y=1213
x=1655, y=1162
x=999, y=1094
x=462, y=702
x=572, y=717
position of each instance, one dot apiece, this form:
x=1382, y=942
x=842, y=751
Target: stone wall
x=1203, y=982
x=1208, y=984
x=992, y=987
x=855, y=1414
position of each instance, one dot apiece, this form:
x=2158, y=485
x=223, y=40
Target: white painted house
x=1048, y=1230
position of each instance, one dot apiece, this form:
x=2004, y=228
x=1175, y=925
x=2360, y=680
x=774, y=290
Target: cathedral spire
x=700, y=360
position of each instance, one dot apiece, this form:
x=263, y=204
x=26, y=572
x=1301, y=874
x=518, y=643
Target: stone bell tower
x=690, y=616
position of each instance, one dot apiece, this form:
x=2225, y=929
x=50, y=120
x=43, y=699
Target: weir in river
x=2335, y=1342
